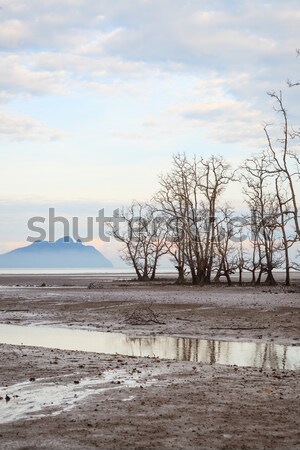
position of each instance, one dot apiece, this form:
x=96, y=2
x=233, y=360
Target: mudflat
x=85, y=400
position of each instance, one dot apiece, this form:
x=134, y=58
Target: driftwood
x=143, y=315
x=237, y=328
x=14, y=310
x=95, y=285
x=188, y=320
x=223, y=328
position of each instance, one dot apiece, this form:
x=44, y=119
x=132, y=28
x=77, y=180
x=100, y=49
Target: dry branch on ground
x=143, y=315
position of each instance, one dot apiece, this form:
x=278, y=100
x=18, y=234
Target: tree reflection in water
x=250, y=354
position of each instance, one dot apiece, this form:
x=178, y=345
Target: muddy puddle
x=33, y=400
x=243, y=354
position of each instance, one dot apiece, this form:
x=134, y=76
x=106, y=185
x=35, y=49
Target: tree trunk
x=217, y=277
x=287, y=276
x=259, y=277
x=228, y=278
x=201, y=271
x=270, y=281
x=240, y=276
x=153, y=274
x=145, y=276
x=193, y=273
x=200, y=277
x=181, y=272
x=208, y=275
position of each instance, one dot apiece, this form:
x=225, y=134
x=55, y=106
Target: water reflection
x=252, y=354
x=221, y=352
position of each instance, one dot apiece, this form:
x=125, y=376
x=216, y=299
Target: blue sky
x=96, y=96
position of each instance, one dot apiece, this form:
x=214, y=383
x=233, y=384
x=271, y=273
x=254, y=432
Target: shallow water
x=44, y=397
x=243, y=354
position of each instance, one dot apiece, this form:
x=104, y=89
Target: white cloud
x=223, y=117
x=18, y=79
x=240, y=48
x=227, y=121
x=17, y=128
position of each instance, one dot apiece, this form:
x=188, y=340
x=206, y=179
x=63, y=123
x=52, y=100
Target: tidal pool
x=44, y=397
x=243, y=354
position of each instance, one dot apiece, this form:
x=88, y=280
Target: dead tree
x=214, y=176
x=171, y=202
x=285, y=163
x=254, y=255
x=226, y=259
x=143, y=239
x=263, y=204
x=284, y=219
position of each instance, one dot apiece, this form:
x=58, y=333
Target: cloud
x=17, y=128
x=223, y=117
x=18, y=79
x=227, y=121
x=85, y=67
x=62, y=47
x=195, y=34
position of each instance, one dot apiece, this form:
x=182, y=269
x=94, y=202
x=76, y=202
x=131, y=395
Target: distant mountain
x=64, y=253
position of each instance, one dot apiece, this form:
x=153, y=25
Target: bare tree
x=265, y=211
x=215, y=176
x=143, y=239
x=252, y=258
x=284, y=219
x=285, y=163
x=171, y=201
x=226, y=254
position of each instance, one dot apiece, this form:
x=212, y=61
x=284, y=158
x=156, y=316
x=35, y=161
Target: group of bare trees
x=189, y=199
x=270, y=178
x=189, y=220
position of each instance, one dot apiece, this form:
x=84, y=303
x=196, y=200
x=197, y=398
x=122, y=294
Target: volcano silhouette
x=64, y=253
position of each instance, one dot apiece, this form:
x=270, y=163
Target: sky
x=97, y=95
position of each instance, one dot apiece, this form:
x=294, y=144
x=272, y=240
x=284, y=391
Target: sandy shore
x=116, y=402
